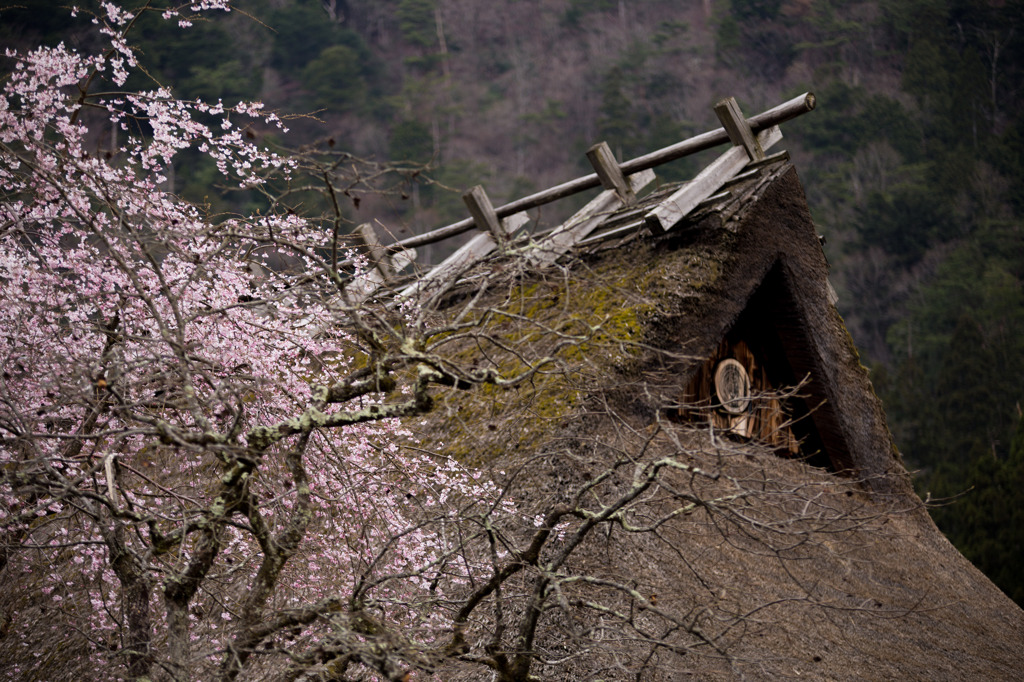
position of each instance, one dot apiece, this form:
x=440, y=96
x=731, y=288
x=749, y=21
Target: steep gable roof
x=781, y=567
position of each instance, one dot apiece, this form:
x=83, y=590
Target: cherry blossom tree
x=199, y=461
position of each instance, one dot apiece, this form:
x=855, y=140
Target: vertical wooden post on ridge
x=378, y=254
x=609, y=172
x=482, y=210
x=728, y=112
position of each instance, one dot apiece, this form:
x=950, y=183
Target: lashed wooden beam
x=363, y=286
x=707, y=182
x=471, y=252
x=583, y=222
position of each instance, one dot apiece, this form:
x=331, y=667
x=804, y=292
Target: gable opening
x=761, y=383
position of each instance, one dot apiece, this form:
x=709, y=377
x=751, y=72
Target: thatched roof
x=825, y=566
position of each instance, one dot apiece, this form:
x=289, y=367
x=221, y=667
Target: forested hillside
x=913, y=162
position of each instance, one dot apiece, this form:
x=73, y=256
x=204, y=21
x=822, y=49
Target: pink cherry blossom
x=143, y=355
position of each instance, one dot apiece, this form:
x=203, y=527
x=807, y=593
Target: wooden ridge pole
x=780, y=114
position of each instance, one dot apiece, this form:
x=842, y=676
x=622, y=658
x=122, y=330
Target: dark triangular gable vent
x=787, y=407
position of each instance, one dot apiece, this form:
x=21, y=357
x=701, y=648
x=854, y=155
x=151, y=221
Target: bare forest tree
x=208, y=468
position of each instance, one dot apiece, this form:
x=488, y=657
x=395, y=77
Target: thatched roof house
x=715, y=344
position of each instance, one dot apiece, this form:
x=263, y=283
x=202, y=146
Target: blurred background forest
x=913, y=162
